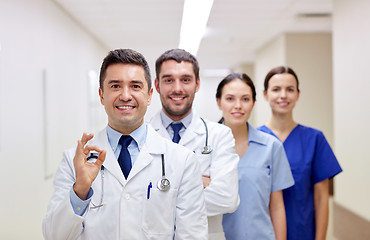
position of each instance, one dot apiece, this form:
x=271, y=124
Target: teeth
x=125, y=107
x=176, y=99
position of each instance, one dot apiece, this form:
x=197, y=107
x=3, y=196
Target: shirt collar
x=166, y=120
x=139, y=136
x=254, y=135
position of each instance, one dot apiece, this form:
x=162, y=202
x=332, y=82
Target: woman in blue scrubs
x=263, y=167
x=311, y=159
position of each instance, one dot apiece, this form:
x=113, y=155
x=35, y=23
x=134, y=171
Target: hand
x=86, y=172
x=206, y=181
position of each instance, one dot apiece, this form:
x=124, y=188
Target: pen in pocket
x=149, y=187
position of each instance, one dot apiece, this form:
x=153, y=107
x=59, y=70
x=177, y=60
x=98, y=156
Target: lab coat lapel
x=156, y=123
x=194, y=130
x=153, y=145
x=110, y=164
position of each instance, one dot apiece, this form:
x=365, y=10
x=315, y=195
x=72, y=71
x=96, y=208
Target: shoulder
x=217, y=127
x=310, y=133
x=262, y=137
x=158, y=144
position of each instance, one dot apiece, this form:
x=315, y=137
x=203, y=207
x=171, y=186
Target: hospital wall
x=47, y=63
x=351, y=84
x=334, y=98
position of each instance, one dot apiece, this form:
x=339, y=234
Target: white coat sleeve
x=222, y=195
x=191, y=217
x=60, y=221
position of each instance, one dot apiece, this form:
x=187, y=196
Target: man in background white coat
x=177, y=81
x=118, y=194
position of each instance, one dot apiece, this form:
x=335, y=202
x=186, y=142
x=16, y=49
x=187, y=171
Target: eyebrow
x=170, y=75
x=119, y=81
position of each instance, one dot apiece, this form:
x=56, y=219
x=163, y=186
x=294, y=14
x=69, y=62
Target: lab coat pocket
x=159, y=214
x=204, y=163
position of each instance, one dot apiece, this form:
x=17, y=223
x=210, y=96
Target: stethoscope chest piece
x=163, y=184
x=207, y=150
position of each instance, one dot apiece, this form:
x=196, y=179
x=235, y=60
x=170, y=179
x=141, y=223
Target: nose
x=237, y=104
x=125, y=94
x=283, y=93
x=177, y=87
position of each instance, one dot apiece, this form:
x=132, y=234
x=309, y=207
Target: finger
x=79, y=156
x=101, y=158
x=86, y=137
x=89, y=148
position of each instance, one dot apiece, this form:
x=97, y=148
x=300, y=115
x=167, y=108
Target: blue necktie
x=176, y=129
x=124, y=158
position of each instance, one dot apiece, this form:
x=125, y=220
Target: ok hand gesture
x=86, y=172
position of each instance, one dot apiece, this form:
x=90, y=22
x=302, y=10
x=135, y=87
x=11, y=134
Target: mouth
x=283, y=104
x=125, y=107
x=237, y=114
x=177, y=98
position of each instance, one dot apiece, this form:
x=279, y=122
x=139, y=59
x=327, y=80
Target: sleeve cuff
x=79, y=206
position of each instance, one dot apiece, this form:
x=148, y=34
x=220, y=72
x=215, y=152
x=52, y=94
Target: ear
x=156, y=84
x=150, y=96
x=218, y=100
x=265, y=94
x=101, y=96
x=197, y=85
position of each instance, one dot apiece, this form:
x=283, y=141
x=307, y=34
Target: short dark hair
x=125, y=56
x=279, y=70
x=178, y=55
x=232, y=76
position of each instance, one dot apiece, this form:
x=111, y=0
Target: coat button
x=127, y=196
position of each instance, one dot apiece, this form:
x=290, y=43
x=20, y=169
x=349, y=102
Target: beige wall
x=351, y=51
x=310, y=56
x=39, y=42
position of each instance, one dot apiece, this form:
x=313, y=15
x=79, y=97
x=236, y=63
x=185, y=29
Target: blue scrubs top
x=311, y=161
x=263, y=169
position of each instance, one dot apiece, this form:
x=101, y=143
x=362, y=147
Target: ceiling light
x=194, y=22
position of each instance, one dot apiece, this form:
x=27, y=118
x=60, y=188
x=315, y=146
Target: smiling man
x=127, y=182
x=177, y=81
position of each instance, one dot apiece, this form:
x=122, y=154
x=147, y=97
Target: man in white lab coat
x=177, y=81
x=146, y=188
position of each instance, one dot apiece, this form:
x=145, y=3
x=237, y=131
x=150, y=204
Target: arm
x=321, y=204
x=277, y=213
x=222, y=193
x=60, y=221
x=191, y=218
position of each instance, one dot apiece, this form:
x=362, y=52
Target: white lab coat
x=128, y=214
x=221, y=165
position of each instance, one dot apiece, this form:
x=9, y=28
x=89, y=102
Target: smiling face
x=177, y=86
x=125, y=96
x=282, y=93
x=236, y=103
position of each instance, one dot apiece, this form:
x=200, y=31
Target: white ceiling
x=235, y=30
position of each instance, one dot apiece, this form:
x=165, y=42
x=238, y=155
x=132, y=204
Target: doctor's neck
x=176, y=117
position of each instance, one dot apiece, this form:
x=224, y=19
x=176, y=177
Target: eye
x=246, y=99
x=136, y=86
x=186, y=80
x=167, y=80
x=114, y=86
x=229, y=98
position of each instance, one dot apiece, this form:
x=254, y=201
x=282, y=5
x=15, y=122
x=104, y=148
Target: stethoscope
x=206, y=149
x=163, y=184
